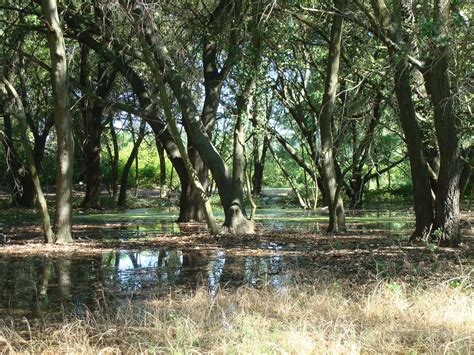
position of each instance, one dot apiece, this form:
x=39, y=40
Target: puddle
x=358, y=222
x=128, y=231
x=36, y=284
x=39, y=284
x=138, y=222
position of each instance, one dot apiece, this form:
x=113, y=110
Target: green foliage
x=290, y=83
x=394, y=286
x=398, y=196
x=148, y=163
x=455, y=283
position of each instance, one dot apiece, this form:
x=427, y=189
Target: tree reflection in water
x=39, y=284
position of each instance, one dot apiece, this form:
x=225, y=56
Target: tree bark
x=93, y=112
x=191, y=208
x=22, y=185
x=115, y=162
x=447, y=226
x=466, y=170
x=236, y=215
x=336, y=208
x=260, y=147
x=16, y=173
x=93, y=165
x=423, y=200
x=161, y=157
x=62, y=121
x=167, y=141
x=259, y=168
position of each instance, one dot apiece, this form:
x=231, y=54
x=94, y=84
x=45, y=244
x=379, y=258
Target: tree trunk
x=466, y=171
x=211, y=222
x=356, y=189
x=93, y=112
x=94, y=169
x=22, y=186
x=136, y=177
x=165, y=139
x=115, y=162
x=235, y=217
x=126, y=169
x=62, y=121
x=160, y=63
x=360, y=153
x=423, y=200
x=161, y=157
x=191, y=208
x=447, y=226
x=259, y=165
x=13, y=164
x=28, y=195
x=336, y=208
x=27, y=198
x=43, y=207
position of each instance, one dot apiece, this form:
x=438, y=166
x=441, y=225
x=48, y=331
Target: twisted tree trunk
x=447, y=226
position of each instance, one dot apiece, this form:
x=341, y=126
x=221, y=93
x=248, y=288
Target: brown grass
x=325, y=317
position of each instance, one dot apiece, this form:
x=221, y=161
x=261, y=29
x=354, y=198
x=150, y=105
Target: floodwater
x=33, y=285
x=36, y=284
x=134, y=222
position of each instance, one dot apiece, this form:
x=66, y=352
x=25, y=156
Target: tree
x=43, y=207
x=287, y=79
x=62, y=122
x=441, y=222
x=93, y=116
x=436, y=75
x=336, y=208
x=217, y=24
x=231, y=192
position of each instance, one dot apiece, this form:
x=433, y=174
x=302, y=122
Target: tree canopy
x=324, y=97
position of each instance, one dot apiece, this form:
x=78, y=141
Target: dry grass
x=388, y=317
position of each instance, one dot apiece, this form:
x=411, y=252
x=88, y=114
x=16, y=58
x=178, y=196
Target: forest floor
x=290, y=289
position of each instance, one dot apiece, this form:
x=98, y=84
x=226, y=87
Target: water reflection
x=37, y=284
x=165, y=227
x=215, y=271
x=385, y=227
x=136, y=272
x=40, y=284
x=137, y=223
